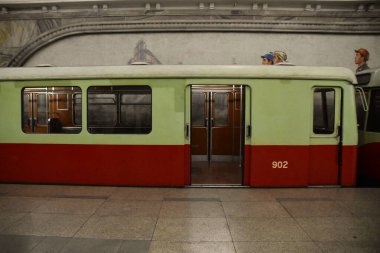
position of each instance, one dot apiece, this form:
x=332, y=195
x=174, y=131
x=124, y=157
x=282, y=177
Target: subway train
x=369, y=128
x=153, y=125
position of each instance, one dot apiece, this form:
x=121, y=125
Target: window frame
x=118, y=91
x=338, y=92
x=48, y=91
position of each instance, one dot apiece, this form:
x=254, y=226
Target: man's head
x=279, y=56
x=267, y=59
x=361, y=56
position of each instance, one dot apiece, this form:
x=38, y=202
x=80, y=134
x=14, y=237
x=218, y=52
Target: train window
x=25, y=112
x=221, y=109
x=119, y=109
x=198, y=109
x=360, y=113
x=102, y=110
x=373, y=124
x=77, y=104
x=324, y=110
x=49, y=110
x=136, y=110
x=42, y=109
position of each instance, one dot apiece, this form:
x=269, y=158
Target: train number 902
x=280, y=164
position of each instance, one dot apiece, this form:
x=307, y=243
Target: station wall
x=206, y=48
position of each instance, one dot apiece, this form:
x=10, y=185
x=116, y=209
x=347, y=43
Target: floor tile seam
x=63, y=213
x=100, y=206
x=155, y=225
x=191, y=241
x=296, y=222
x=286, y=241
x=85, y=222
x=114, y=189
x=229, y=228
x=35, y=246
x=132, y=199
x=347, y=208
x=39, y=241
x=190, y=217
x=250, y=201
x=2, y=231
x=70, y=239
x=193, y=218
x=36, y=207
x=257, y=217
x=121, y=244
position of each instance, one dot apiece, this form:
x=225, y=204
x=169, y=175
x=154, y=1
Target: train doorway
x=217, y=134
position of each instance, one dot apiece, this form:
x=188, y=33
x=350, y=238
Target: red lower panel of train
x=287, y=166
x=93, y=164
x=169, y=165
x=369, y=164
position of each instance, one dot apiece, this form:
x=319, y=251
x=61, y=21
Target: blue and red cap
x=267, y=56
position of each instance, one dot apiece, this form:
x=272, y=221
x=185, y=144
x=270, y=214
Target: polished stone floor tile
x=6, y=189
x=189, y=193
x=130, y=208
x=139, y=193
x=64, y=225
x=316, y=209
x=349, y=247
x=20, y=204
x=191, y=209
x=303, y=193
x=363, y=208
x=29, y=190
x=46, y=218
x=69, y=206
x=358, y=194
x=266, y=229
x=341, y=228
x=59, y=190
x=8, y=219
x=191, y=230
x=18, y=243
x=255, y=209
x=276, y=247
x=51, y=244
x=191, y=247
x=85, y=245
x=138, y=246
x=118, y=227
x=88, y=191
x=250, y=194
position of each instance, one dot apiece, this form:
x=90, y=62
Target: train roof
x=369, y=77
x=178, y=71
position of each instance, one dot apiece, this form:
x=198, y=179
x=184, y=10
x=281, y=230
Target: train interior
x=217, y=134
x=52, y=110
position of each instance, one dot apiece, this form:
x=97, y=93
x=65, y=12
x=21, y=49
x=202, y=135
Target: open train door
x=217, y=134
x=326, y=136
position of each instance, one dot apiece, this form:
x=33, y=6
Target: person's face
x=359, y=59
x=276, y=59
x=266, y=62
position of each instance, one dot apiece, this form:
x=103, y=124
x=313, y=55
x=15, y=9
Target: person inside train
x=280, y=58
x=267, y=59
x=361, y=58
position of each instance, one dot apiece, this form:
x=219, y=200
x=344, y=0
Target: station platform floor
x=56, y=218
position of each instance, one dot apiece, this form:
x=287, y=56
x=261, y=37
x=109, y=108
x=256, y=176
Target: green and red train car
x=369, y=128
x=259, y=126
